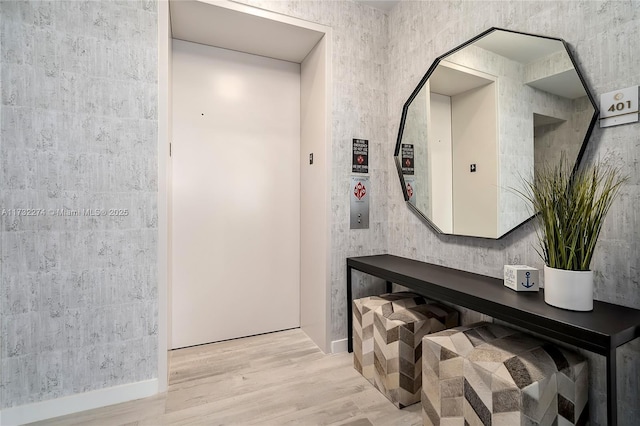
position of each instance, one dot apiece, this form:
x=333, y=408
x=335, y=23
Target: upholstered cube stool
x=485, y=374
x=397, y=340
x=363, y=325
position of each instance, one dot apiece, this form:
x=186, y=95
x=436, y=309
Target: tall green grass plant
x=571, y=207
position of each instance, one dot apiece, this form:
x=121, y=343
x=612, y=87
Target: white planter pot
x=571, y=290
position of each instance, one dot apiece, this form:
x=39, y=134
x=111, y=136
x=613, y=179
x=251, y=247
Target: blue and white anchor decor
x=521, y=277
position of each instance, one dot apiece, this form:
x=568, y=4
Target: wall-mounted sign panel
x=410, y=183
x=407, y=159
x=359, y=213
x=360, y=151
x=619, y=107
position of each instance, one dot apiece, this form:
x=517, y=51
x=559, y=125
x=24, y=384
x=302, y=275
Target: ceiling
x=522, y=48
x=209, y=24
x=566, y=84
x=450, y=81
x=205, y=23
x=527, y=49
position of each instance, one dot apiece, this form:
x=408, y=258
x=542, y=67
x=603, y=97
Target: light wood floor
x=273, y=379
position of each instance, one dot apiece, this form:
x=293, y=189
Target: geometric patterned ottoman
x=363, y=325
x=397, y=341
x=485, y=374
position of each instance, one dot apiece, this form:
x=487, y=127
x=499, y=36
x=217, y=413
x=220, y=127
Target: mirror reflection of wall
x=486, y=117
x=441, y=161
x=554, y=136
x=464, y=136
x=414, y=153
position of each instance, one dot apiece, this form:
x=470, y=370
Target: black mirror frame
x=430, y=71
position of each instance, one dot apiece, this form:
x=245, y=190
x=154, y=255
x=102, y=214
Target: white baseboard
x=338, y=346
x=75, y=403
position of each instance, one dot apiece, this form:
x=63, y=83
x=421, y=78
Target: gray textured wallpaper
x=79, y=127
x=601, y=34
x=78, y=133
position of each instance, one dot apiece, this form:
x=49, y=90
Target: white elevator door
x=236, y=194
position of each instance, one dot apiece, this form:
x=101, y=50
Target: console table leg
x=349, y=312
x=389, y=287
x=612, y=389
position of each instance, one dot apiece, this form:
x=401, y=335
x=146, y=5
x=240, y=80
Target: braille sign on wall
x=359, y=215
x=407, y=159
x=619, y=107
x=360, y=151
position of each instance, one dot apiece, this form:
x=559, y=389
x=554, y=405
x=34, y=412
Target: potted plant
x=571, y=206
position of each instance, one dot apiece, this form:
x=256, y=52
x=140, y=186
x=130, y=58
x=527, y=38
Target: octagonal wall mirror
x=482, y=119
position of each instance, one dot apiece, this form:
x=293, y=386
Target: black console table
x=601, y=330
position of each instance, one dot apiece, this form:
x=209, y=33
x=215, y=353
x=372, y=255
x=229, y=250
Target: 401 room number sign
x=619, y=107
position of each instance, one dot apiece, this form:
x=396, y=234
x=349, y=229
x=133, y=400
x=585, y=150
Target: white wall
x=475, y=141
x=165, y=129
x=441, y=162
x=236, y=194
x=314, y=196
x=515, y=130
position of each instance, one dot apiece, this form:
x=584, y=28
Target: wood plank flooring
x=272, y=379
